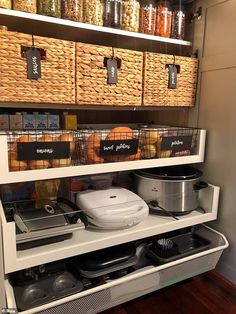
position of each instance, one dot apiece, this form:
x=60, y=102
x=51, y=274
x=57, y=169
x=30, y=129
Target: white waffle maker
x=113, y=208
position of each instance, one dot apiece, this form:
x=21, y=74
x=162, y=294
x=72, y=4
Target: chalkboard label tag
x=118, y=147
x=176, y=143
x=33, y=57
x=172, y=80
x=43, y=150
x=112, y=71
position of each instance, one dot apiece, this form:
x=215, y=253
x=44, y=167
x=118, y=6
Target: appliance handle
x=138, y=209
x=79, y=213
x=200, y=185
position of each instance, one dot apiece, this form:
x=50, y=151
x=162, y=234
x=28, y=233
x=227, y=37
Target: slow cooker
x=174, y=189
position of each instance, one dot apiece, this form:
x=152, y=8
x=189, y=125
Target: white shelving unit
x=135, y=284
x=84, y=241
x=75, y=31
x=43, y=174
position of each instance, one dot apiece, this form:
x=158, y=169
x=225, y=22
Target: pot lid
x=171, y=173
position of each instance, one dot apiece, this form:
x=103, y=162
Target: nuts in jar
x=5, y=4
x=112, y=13
x=49, y=7
x=26, y=6
x=72, y=10
x=147, y=17
x=178, y=22
x=93, y=12
x=163, y=20
x=130, y=15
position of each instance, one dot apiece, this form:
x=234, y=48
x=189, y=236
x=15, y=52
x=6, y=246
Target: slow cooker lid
x=171, y=173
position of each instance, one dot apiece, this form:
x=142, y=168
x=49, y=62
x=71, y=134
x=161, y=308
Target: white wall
x=217, y=113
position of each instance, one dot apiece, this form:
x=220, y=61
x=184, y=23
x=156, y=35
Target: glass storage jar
x=93, y=12
x=130, y=15
x=178, y=22
x=25, y=5
x=163, y=21
x=49, y=7
x=5, y=4
x=72, y=10
x=112, y=13
x=147, y=17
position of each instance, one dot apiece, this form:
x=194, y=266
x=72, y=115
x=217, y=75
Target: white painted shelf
x=43, y=174
x=84, y=241
x=75, y=31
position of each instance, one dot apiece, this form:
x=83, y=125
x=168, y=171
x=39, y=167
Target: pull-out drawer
x=135, y=284
x=84, y=241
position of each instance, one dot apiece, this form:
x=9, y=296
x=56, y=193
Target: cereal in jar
x=72, y=10
x=178, y=22
x=147, y=17
x=163, y=20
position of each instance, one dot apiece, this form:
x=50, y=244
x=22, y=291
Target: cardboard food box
x=4, y=122
x=16, y=121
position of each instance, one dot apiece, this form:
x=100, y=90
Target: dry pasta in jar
x=49, y=8
x=93, y=12
x=5, y=4
x=25, y=5
x=130, y=15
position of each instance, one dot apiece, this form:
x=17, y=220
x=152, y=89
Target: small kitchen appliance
x=113, y=208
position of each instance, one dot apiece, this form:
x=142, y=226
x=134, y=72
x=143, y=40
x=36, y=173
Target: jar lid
x=3, y=27
x=178, y=7
x=147, y=2
x=165, y=2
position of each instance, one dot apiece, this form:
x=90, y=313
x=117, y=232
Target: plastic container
x=93, y=12
x=5, y=4
x=25, y=6
x=49, y=8
x=112, y=13
x=130, y=15
x=72, y=10
x=178, y=22
x=163, y=19
x=147, y=17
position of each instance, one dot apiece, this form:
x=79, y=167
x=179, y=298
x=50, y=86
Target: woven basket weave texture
x=57, y=82
x=155, y=81
x=91, y=76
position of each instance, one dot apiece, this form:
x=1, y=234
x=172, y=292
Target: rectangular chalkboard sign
x=118, y=147
x=176, y=143
x=43, y=150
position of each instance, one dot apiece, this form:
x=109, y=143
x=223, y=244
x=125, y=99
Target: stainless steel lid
x=171, y=173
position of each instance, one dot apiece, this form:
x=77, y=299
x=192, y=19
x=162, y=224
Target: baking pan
x=46, y=290
x=184, y=244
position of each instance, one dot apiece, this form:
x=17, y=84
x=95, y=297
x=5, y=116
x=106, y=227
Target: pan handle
x=200, y=185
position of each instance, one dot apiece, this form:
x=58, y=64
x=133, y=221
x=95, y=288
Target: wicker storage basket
x=155, y=82
x=57, y=82
x=91, y=76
